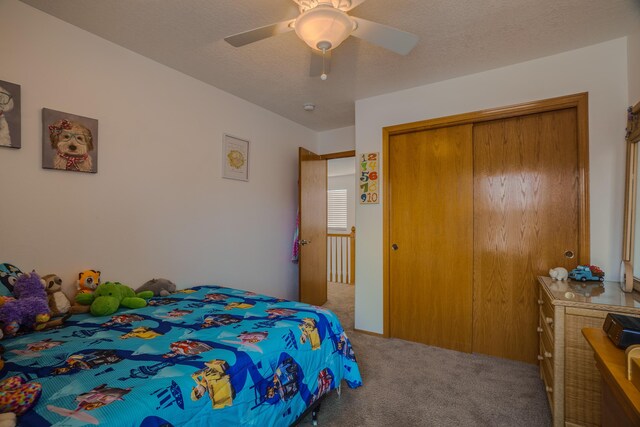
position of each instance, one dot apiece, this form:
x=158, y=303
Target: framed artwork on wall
x=235, y=158
x=10, y=132
x=69, y=142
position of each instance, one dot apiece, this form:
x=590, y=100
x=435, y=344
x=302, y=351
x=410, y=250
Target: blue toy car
x=587, y=272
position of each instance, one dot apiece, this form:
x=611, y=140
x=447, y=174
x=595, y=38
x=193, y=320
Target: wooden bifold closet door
x=476, y=212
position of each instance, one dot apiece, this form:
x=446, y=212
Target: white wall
x=600, y=70
x=336, y=140
x=158, y=206
x=633, y=52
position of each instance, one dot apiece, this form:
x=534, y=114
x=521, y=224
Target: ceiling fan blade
x=316, y=63
x=354, y=4
x=247, y=37
x=388, y=37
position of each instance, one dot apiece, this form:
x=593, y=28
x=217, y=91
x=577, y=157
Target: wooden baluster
x=341, y=260
x=352, y=255
x=333, y=268
x=329, y=256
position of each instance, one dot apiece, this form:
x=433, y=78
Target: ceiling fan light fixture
x=324, y=27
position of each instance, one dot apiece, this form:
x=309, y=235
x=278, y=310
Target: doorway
x=320, y=269
x=341, y=234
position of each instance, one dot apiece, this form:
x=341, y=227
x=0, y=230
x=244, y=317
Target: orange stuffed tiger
x=88, y=281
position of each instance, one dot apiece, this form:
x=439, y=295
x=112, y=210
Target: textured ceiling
x=457, y=37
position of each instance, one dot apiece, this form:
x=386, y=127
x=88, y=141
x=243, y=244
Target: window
x=337, y=209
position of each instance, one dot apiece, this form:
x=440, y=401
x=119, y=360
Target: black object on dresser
x=622, y=330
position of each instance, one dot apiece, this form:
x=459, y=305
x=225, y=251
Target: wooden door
x=431, y=224
x=526, y=218
x=313, y=228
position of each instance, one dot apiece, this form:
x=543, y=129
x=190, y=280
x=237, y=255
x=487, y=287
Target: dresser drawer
x=546, y=369
x=547, y=342
x=546, y=308
x=547, y=322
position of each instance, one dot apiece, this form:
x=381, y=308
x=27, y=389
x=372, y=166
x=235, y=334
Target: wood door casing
x=432, y=225
x=313, y=228
x=526, y=216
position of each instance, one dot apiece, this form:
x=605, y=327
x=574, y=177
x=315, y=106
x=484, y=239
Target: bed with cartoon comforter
x=204, y=356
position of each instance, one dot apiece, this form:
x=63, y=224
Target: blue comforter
x=204, y=356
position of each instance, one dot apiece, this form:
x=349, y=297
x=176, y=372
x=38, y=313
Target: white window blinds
x=337, y=209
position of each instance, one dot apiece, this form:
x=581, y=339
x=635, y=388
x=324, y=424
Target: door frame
x=579, y=101
x=339, y=155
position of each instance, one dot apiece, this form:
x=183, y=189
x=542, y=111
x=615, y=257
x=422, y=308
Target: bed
x=205, y=356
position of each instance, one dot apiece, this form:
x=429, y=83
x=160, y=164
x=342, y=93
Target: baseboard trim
x=374, y=334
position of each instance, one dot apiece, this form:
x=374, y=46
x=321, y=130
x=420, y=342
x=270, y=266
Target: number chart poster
x=369, y=178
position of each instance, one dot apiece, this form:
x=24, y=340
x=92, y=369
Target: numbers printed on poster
x=369, y=178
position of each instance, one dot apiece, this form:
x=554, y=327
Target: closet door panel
x=525, y=219
x=431, y=217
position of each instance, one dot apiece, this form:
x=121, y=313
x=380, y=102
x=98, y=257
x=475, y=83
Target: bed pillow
x=8, y=275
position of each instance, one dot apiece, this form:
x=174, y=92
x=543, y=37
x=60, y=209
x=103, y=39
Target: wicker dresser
x=566, y=359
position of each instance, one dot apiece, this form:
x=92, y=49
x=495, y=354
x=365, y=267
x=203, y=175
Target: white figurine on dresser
x=559, y=273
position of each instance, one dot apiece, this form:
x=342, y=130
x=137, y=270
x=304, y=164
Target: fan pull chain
x=323, y=76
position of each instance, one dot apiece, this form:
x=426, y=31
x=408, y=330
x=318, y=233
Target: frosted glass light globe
x=324, y=25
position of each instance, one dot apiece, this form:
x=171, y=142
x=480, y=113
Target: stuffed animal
x=8, y=419
x=54, y=323
x=88, y=281
x=4, y=299
x=559, y=273
x=109, y=296
x=17, y=396
x=59, y=304
x=159, y=287
x=29, y=309
x=9, y=275
x=78, y=308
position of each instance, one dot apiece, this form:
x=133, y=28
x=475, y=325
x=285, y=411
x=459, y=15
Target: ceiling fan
x=324, y=25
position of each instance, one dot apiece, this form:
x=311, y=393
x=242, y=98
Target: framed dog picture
x=235, y=158
x=69, y=142
x=9, y=115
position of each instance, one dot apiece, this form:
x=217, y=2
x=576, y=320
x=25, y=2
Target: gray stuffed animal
x=159, y=287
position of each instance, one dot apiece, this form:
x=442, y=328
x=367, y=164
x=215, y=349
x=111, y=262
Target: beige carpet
x=410, y=384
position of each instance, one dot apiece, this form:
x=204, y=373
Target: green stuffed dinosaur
x=110, y=296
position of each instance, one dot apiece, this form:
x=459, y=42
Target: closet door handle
x=394, y=247
x=304, y=242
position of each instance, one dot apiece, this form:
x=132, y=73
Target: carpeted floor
x=410, y=384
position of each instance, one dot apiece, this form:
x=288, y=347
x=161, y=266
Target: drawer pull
x=540, y=302
x=548, y=355
x=549, y=320
x=540, y=357
x=549, y=389
x=539, y=329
